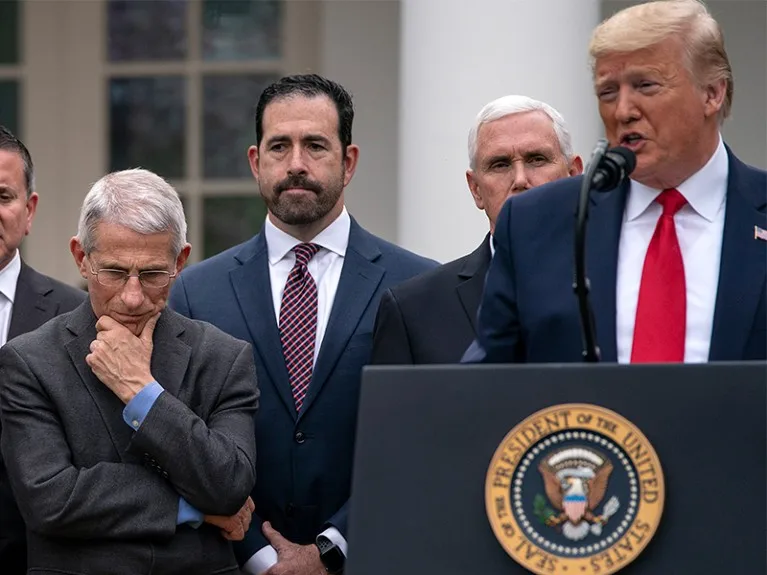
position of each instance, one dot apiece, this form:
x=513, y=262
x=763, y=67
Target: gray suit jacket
x=99, y=498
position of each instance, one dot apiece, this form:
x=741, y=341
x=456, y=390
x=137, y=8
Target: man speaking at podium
x=676, y=256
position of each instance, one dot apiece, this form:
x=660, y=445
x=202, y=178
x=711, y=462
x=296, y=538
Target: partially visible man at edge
x=27, y=300
x=127, y=428
x=517, y=143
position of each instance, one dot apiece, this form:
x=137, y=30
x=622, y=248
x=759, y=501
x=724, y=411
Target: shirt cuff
x=261, y=561
x=335, y=536
x=137, y=408
x=188, y=514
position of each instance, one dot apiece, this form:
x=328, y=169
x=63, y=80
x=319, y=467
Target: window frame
x=64, y=111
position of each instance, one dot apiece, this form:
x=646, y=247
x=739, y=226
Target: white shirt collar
x=9, y=277
x=334, y=238
x=705, y=190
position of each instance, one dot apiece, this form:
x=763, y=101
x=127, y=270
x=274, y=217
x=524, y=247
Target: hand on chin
x=132, y=321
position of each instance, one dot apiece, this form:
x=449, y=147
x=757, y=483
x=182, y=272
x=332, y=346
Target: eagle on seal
x=575, y=480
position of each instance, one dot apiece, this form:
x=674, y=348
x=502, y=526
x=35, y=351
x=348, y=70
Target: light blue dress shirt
x=134, y=414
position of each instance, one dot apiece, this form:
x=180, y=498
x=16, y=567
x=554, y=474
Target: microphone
x=614, y=166
x=606, y=170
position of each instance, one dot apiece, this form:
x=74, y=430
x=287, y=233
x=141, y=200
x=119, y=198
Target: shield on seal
x=575, y=507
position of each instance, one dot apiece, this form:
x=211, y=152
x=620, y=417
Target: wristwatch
x=331, y=555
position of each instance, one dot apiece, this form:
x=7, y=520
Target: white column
x=64, y=111
x=360, y=49
x=456, y=56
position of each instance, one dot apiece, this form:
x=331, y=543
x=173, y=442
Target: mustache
x=298, y=182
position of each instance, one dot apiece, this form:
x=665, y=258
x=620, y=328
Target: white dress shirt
x=9, y=277
x=699, y=228
x=325, y=267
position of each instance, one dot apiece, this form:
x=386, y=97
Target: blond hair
x=649, y=24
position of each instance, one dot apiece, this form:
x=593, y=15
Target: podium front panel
x=427, y=434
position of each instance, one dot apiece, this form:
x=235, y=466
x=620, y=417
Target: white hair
x=138, y=199
x=508, y=105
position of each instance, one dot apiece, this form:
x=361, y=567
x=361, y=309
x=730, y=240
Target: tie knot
x=305, y=252
x=672, y=201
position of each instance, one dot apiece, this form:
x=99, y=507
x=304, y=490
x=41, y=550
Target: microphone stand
x=591, y=353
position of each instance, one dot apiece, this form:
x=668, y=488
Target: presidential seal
x=574, y=489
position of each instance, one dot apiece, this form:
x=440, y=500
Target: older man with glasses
x=128, y=430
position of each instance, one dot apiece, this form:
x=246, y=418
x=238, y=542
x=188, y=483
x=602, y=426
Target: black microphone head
x=616, y=165
x=628, y=157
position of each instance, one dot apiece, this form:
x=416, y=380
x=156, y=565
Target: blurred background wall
x=170, y=85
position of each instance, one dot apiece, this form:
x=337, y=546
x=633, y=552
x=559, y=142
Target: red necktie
x=659, y=330
x=298, y=322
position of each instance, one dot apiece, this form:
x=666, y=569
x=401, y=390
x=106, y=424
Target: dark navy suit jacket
x=304, y=464
x=431, y=319
x=529, y=311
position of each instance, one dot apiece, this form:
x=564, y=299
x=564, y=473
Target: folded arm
x=108, y=500
x=210, y=463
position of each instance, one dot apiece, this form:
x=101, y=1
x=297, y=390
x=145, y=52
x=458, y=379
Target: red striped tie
x=660, y=327
x=298, y=322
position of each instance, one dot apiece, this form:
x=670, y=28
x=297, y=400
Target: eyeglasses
x=153, y=279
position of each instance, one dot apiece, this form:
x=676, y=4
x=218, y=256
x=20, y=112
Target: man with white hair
x=677, y=255
x=128, y=429
x=516, y=143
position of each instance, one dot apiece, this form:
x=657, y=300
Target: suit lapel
x=82, y=324
x=359, y=280
x=31, y=308
x=472, y=274
x=253, y=290
x=602, y=241
x=170, y=356
x=742, y=269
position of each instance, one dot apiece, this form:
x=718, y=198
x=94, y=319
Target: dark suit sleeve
x=391, y=344
x=106, y=501
x=211, y=463
x=498, y=332
x=340, y=520
x=253, y=542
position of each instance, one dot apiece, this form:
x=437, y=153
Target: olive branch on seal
x=541, y=509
